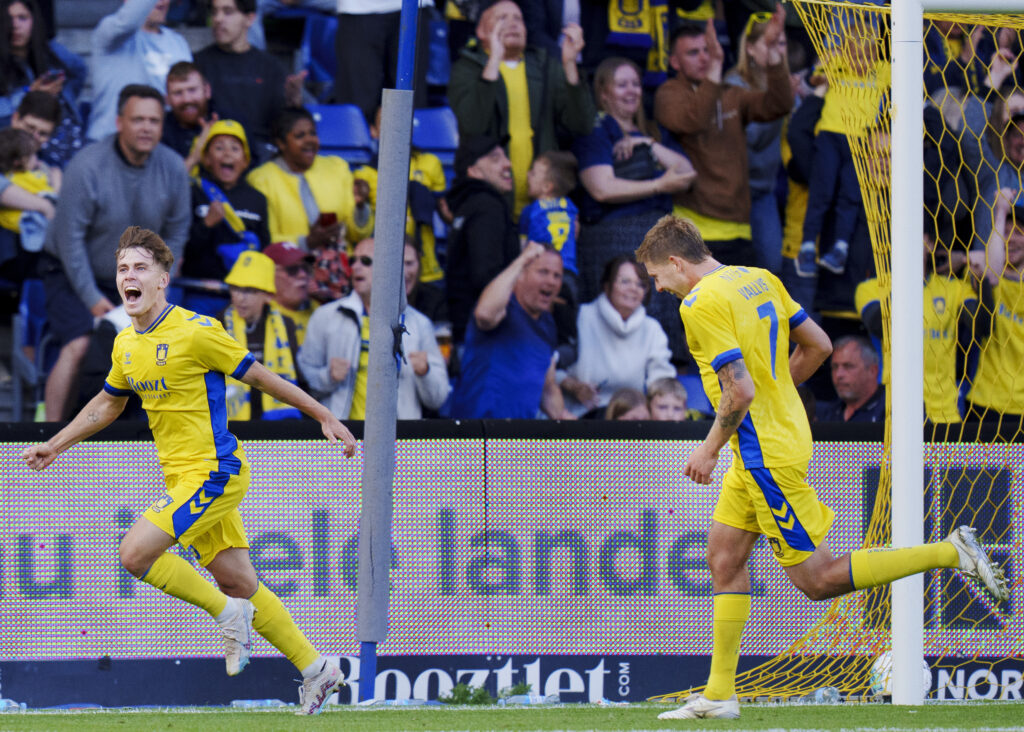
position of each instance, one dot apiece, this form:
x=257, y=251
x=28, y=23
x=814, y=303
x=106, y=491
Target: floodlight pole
x=907, y=349
x=387, y=301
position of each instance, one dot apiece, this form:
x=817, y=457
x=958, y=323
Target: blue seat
x=317, y=52
x=435, y=130
x=34, y=350
x=343, y=132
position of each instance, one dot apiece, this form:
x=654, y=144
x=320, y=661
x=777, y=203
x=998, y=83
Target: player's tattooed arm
x=737, y=396
x=734, y=404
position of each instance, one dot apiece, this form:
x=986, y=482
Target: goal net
x=973, y=348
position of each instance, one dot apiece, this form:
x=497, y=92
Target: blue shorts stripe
x=188, y=513
x=789, y=525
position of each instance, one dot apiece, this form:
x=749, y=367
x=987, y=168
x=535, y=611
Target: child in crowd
x=627, y=405
x=666, y=400
x=551, y=218
x=850, y=110
x=25, y=222
x=18, y=162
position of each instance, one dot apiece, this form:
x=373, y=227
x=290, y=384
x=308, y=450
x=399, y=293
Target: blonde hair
x=604, y=75
x=667, y=386
x=746, y=67
x=672, y=237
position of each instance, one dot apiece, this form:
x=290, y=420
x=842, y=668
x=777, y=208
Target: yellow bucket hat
x=253, y=269
x=232, y=129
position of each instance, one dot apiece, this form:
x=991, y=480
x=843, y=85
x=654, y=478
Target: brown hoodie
x=708, y=120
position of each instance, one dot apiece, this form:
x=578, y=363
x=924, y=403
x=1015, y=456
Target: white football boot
x=975, y=563
x=698, y=707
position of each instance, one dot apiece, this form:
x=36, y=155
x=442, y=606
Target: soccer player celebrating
x=739, y=322
x=176, y=361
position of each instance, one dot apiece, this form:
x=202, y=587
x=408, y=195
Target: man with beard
x=189, y=110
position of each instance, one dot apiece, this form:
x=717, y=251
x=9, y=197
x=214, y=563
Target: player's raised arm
x=812, y=348
x=737, y=396
x=101, y=410
x=267, y=381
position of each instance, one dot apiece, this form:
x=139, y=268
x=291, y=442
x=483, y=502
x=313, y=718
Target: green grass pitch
x=990, y=716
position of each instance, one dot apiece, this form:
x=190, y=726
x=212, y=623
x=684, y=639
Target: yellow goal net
x=973, y=266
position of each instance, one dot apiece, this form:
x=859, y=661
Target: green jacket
x=481, y=106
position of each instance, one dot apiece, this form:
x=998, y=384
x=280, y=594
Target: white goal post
x=907, y=220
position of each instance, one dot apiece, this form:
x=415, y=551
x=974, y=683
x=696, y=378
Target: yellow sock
x=729, y=616
x=874, y=567
x=274, y=623
x=173, y=575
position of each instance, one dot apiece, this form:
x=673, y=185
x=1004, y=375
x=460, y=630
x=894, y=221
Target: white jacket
x=614, y=353
x=334, y=332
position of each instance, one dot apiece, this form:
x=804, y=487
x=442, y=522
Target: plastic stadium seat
x=436, y=131
x=29, y=329
x=343, y=132
x=317, y=51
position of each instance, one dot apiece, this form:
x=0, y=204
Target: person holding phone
x=310, y=196
x=30, y=62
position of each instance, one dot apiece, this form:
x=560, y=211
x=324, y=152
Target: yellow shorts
x=200, y=510
x=778, y=503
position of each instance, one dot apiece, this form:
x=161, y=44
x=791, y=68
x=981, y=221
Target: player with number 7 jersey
x=739, y=324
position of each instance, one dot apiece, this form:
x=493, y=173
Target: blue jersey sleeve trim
x=243, y=367
x=115, y=391
x=722, y=359
x=797, y=318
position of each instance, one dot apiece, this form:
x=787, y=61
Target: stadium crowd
x=578, y=129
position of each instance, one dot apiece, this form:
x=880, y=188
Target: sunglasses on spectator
x=295, y=270
x=363, y=260
x=762, y=17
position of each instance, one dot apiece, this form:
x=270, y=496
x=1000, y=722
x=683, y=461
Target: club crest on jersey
x=939, y=303
x=127, y=358
x=161, y=354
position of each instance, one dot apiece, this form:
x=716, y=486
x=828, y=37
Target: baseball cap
x=474, y=147
x=232, y=129
x=285, y=253
x=253, y=269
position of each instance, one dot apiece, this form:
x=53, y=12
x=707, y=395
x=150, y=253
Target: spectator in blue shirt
x=508, y=367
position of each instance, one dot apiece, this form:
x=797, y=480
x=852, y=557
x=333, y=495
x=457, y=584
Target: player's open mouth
x=132, y=294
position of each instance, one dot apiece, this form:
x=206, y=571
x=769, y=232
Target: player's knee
x=241, y=583
x=816, y=589
x=723, y=566
x=134, y=561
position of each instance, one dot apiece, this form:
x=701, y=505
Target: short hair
x=667, y=386
x=182, y=70
x=685, y=30
x=624, y=400
x=866, y=348
x=673, y=236
x=41, y=105
x=138, y=91
x=244, y=6
x=561, y=170
x=135, y=237
x=286, y=119
x=15, y=146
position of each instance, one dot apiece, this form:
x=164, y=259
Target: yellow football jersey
x=745, y=312
x=944, y=298
x=853, y=100
x=999, y=383
x=177, y=366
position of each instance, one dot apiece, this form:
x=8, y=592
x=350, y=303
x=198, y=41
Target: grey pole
x=387, y=301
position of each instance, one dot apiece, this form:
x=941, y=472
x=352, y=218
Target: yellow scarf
x=277, y=356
